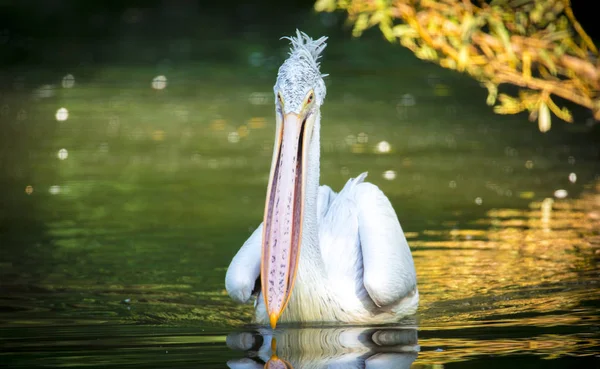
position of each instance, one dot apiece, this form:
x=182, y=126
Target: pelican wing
x=389, y=271
x=245, y=268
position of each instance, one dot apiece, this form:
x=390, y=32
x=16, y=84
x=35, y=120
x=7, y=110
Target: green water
x=116, y=253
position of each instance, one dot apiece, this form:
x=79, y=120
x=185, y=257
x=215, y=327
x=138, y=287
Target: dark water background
x=120, y=214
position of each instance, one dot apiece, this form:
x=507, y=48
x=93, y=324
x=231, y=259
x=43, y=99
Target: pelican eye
x=310, y=98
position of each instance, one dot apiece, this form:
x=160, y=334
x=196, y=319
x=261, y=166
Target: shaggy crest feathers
x=300, y=72
x=312, y=49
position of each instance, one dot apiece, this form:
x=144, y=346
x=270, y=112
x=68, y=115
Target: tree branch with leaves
x=537, y=45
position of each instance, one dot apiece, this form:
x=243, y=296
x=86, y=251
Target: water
x=120, y=214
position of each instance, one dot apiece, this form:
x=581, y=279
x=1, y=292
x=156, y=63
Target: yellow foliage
x=537, y=45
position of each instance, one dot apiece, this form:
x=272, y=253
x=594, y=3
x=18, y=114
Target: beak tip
x=273, y=320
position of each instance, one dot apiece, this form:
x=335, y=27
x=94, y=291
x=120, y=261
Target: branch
x=534, y=44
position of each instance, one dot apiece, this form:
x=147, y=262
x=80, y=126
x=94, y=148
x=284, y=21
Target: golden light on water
x=441, y=90
x=158, y=135
x=243, y=131
x=257, y=123
x=503, y=269
x=358, y=148
x=218, y=124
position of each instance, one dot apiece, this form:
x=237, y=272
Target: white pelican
x=354, y=264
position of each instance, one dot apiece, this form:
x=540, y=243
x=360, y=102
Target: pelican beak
x=284, y=211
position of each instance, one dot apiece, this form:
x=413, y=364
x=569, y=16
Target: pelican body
x=320, y=256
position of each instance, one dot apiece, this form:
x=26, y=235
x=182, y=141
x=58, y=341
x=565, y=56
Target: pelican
x=320, y=256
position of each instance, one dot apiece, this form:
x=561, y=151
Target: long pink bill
x=283, y=218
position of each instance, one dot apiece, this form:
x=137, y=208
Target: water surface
x=118, y=221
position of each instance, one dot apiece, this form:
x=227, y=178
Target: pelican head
x=299, y=93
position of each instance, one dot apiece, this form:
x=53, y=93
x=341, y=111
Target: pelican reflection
x=320, y=347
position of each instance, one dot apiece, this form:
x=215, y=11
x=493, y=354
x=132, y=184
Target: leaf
x=548, y=62
x=463, y=58
x=361, y=24
x=325, y=5
x=385, y=26
x=503, y=34
x=402, y=30
x=563, y=113
x=508, y=105
x=377, y=17
x=492, y=93
x=426, y=53
x=467, y=27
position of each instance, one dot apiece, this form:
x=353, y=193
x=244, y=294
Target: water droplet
x=529, y=164
x=407, y=100
x=62, y=154
x=572, y=177
x=350, y=140
x=452, y=184
x=561, y=194
x=478, y=200
x=68, y=81
x=389, y=175
x=159, y=82
x=62, y=114
x=43, y=92
x=383, y=147
x=233, y=137
x=29, y=190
